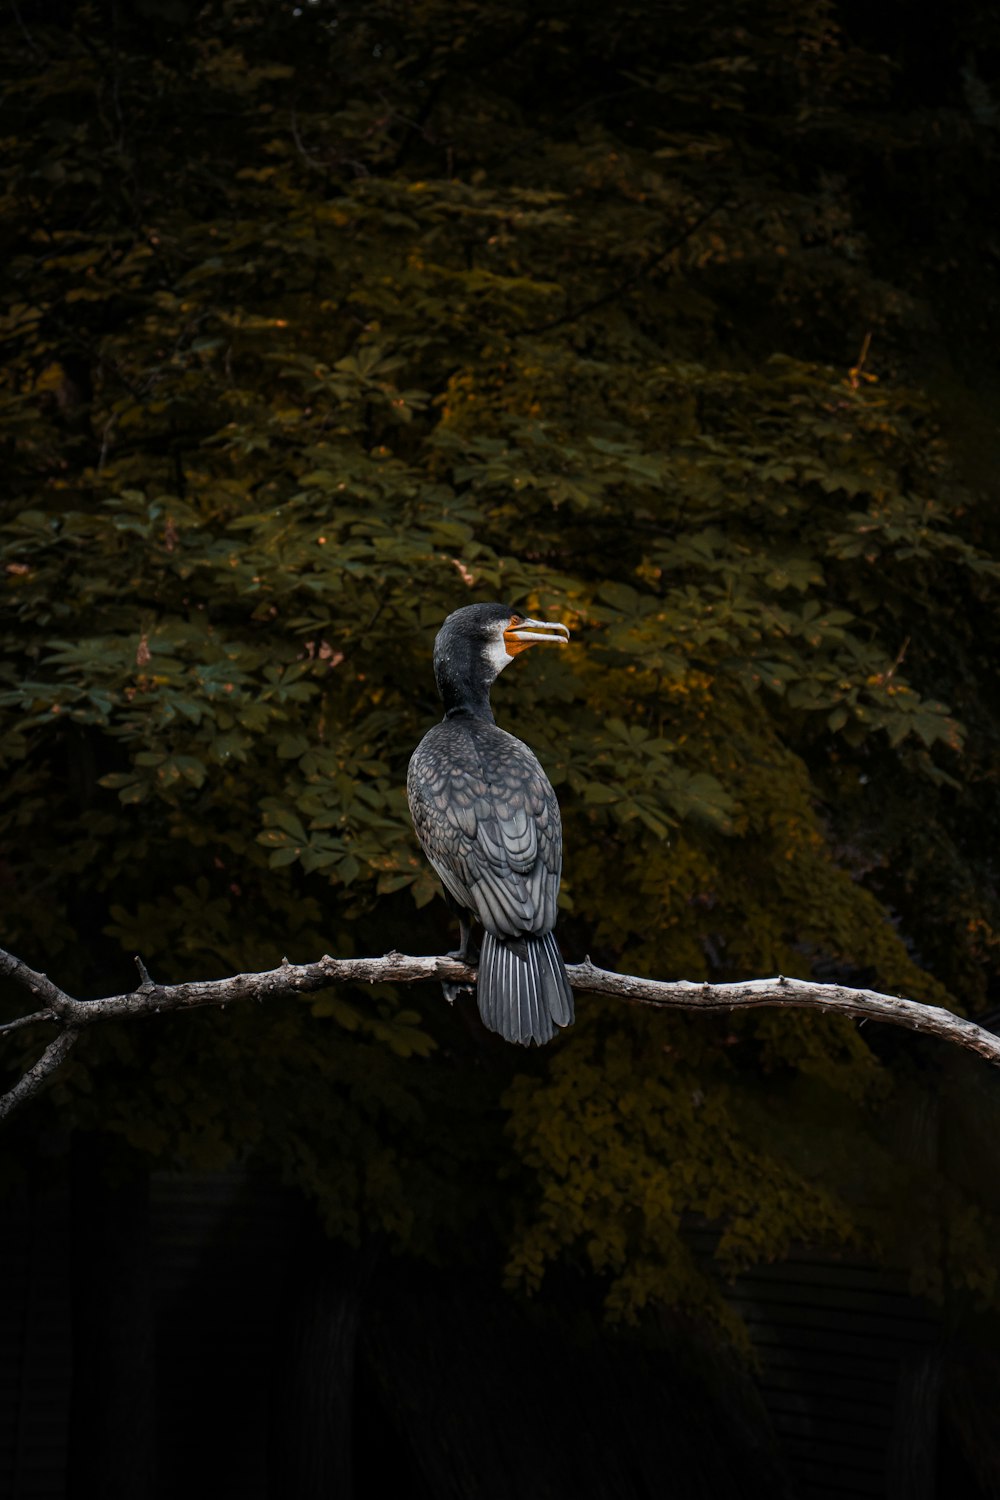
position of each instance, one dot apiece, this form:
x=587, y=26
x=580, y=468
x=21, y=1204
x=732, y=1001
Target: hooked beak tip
x=536, y=633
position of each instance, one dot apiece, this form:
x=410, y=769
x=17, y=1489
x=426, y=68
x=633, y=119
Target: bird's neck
x=468, y=701
x=464, y=680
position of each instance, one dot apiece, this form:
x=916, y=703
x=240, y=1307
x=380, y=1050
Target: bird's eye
x=516, y=620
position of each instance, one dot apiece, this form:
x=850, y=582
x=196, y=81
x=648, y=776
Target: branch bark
x=72, y=1016
x=31, y=1082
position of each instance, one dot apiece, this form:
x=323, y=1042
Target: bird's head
x=475, y=644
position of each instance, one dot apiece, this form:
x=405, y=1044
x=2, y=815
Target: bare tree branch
x=398, y=968
x=798, y=994
x=38, y=985
x=29, y=1084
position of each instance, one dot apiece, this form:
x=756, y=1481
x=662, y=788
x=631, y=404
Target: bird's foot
x=467, y=954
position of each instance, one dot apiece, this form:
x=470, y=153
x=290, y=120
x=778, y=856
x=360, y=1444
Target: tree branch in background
x=572, y=314
x=149, y=998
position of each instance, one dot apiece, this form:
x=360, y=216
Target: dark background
x=677, y=322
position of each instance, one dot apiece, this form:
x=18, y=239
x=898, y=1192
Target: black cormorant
x=488, y=821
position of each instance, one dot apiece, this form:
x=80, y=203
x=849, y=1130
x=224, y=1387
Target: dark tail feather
x=523, y=988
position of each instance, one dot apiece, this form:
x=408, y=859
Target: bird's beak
x=533, y=633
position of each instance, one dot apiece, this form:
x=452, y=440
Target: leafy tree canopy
x=327, y=319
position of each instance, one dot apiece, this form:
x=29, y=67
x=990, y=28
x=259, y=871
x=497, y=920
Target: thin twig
x=36, y=49
x=310, y=161
x=35, y=1019
x=630, y=281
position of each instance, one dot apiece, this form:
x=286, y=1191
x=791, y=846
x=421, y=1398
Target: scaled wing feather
x=488, y=821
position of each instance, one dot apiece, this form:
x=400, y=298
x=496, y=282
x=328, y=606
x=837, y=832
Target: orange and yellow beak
x=521, y=632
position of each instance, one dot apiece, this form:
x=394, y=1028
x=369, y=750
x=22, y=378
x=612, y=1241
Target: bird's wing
x=489, y=823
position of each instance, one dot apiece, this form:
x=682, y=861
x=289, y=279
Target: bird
x=488, y=822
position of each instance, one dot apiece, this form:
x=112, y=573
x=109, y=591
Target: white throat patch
x=496, y=651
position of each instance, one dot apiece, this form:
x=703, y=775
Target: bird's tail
x=523, y=987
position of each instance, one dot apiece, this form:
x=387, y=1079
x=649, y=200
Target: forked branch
x=72, y=1016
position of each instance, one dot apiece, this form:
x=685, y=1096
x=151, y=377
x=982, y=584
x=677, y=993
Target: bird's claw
x=469, y=956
